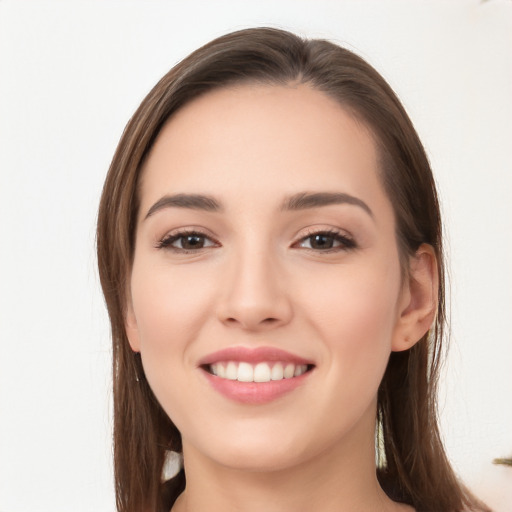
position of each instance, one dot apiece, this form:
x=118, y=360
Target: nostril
x=248, y=323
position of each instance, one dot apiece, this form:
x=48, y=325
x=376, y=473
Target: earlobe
x=131, y=328
x=418, y=307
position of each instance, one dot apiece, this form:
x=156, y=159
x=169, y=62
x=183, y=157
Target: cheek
x=170, y=306
x=360, y=299
x=355, y=315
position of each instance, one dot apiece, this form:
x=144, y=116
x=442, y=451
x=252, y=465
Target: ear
x=130, y=326
x=419, y=300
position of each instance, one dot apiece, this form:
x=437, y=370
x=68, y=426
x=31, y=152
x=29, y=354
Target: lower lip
x=255, y=392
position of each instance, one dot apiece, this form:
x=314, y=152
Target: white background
x=72, y=73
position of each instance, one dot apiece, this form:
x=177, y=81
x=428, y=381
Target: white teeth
x=289, y=370
x=277, y=371
x=299, y=370
x=261, y=372
x=245, y=373
x=232, y=371
x=221, y=370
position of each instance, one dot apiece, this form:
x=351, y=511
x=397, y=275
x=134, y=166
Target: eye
x=186, y=242
x=327, y=241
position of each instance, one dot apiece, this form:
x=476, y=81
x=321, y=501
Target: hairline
x=355, y=113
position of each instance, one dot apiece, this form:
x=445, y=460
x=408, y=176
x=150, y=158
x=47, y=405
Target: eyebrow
x=192, y=201
x=300, y=201
x=307, y=200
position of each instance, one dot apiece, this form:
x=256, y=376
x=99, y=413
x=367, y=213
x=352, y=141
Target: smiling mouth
x=261, y=372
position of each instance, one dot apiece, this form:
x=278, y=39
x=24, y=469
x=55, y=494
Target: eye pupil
x=192, y=242
x=321, y=241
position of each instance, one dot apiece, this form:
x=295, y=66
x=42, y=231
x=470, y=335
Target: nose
x=254, y=296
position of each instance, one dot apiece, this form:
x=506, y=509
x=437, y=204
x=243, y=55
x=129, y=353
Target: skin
x=260, y=280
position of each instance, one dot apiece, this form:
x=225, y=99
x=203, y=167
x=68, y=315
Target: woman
x=270, y=250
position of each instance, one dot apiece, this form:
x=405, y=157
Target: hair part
x=414, y=468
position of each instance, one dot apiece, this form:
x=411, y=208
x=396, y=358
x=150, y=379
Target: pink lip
x=253, y=355
x=253, y=393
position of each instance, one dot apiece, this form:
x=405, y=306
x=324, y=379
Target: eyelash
x=346, y=243
x=167, y=241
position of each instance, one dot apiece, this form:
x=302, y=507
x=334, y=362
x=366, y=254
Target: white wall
x=71, y=74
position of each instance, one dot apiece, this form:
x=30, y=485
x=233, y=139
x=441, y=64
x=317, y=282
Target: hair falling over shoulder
x=413, y=467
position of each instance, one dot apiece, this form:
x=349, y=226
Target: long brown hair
x=413, y=467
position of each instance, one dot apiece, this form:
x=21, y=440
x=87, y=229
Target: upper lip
x=253, y=355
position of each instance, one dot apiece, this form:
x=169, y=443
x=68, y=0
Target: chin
x=258, y=451
x=259, y=460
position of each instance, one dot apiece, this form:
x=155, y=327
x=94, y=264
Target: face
x=265, y=293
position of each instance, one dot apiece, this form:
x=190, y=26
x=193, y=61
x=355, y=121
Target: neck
x=337, y=479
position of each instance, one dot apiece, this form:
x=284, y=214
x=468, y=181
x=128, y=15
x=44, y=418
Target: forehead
x=265, y=141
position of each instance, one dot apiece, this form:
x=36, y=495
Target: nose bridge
x=255, y=295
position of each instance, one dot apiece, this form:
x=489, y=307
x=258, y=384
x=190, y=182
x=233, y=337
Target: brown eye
x=324, y=241
x=321, y=241
x=186, y=242
x=191, y=242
